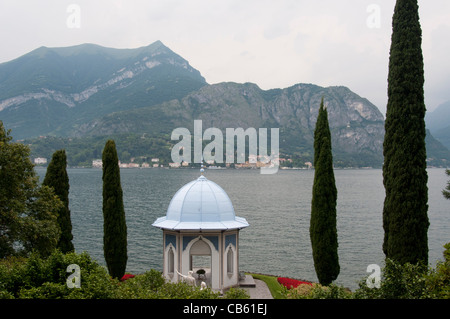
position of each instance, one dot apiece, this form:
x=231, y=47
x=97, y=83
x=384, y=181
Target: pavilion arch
x=202, y=246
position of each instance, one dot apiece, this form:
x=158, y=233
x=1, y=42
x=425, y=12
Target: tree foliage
x=446, y=191
x=46, y=278
x=114, y=223
x=57, y=178
x=410, y=281
x=323, y=231
x=28, y=213
x=405, y=219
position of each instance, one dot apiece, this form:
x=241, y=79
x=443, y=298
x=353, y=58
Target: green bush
x=39, y=278
x=142, y=286
x=439, y=278
x=97, y=284
x=317, y=291
x=236, y=293
x=398, y=281
x=36, y=277
x=152, y=285
x=48, y=290
x=5, y=295
x=410, y=281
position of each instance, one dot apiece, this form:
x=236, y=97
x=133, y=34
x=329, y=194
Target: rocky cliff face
x=357, y=126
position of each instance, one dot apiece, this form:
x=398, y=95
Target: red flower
x=126, y=276
x=291, y=283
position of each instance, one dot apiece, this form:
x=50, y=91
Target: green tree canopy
x=28, y=213
x=446, y=191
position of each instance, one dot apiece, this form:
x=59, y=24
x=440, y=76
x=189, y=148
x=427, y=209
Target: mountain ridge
x=50, y=82
x=438, y=121
x=357, y=125
x=89, y=90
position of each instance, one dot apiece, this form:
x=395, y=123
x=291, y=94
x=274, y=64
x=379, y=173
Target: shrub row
x=38, y=278
x=398, y=281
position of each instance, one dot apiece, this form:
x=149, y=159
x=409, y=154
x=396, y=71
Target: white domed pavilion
x=201, y=232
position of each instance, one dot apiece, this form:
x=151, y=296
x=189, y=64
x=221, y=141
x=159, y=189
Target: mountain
x=439, y=118
x=438, y=122
x=357, y=125
x=54, y=90
x=80, y=95
x=443, y=136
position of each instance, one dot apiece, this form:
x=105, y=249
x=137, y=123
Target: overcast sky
x=273, y=43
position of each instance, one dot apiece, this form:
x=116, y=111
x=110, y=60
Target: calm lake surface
x=276, y=206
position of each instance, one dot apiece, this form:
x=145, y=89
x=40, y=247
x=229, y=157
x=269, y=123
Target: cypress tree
x=114, y=225
x=323, y=230
x=57, y=178
x=446, y=191
x=405, y=219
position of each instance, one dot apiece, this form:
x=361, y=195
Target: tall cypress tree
x=323, y=230
x=57, y=178
x=114, y=225
x=405, y=219
x=446, y=191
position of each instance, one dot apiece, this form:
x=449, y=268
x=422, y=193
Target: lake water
x=276, y=206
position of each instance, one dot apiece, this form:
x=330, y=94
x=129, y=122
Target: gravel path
x=261, y=291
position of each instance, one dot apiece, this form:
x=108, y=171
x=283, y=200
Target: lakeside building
x=97, y=163
x=128, y=165
x=40, y=161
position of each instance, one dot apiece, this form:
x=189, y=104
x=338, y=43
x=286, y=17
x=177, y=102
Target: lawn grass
x=271, y=281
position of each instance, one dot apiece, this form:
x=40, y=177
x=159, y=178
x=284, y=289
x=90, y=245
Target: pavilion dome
x=200, y=204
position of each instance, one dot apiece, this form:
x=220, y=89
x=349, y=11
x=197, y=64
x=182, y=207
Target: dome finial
x=201, y=167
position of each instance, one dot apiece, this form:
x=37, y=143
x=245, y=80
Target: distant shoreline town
x=284, y=164
x=155, y=163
